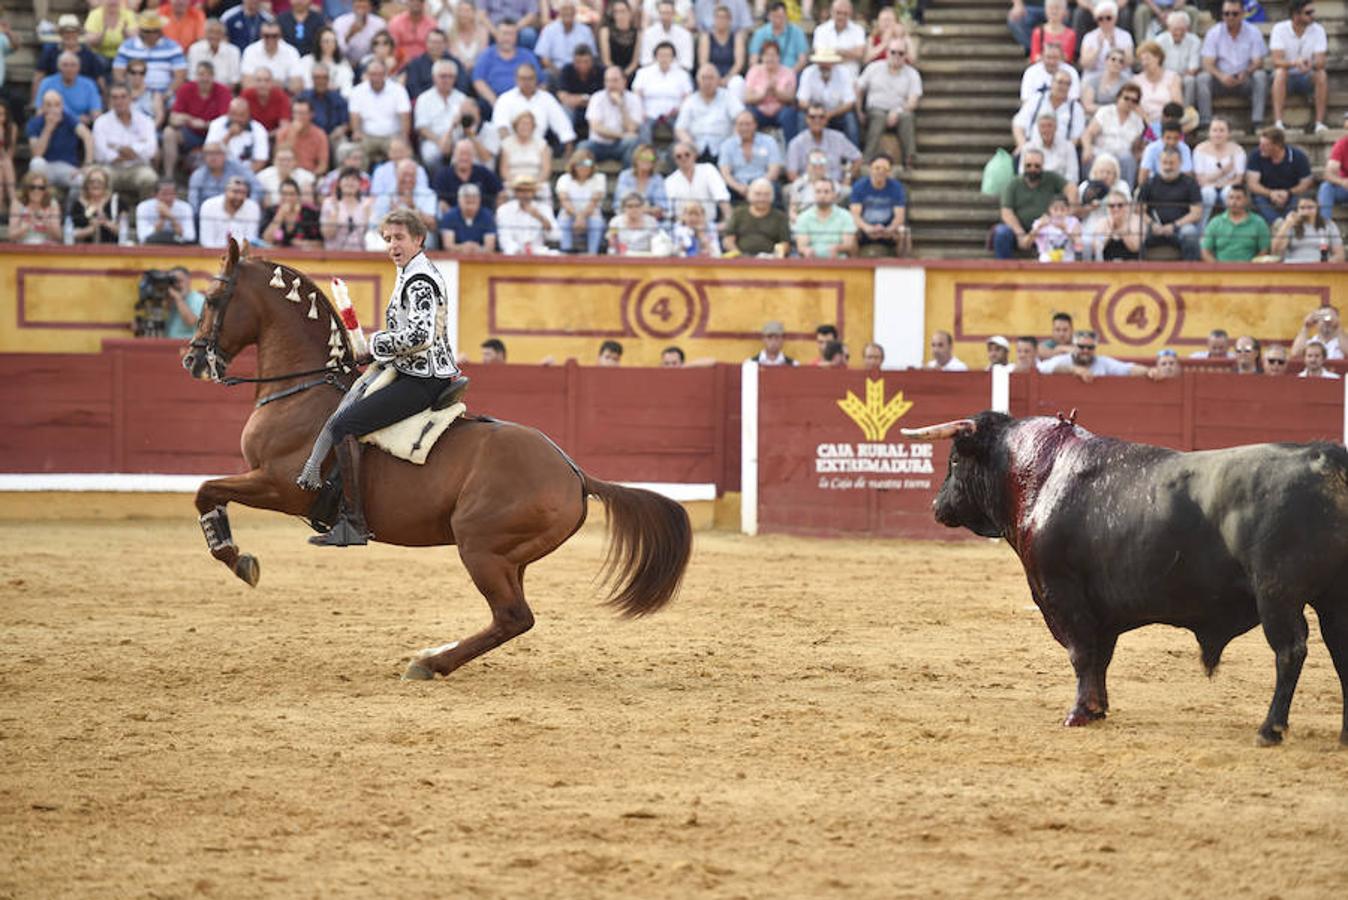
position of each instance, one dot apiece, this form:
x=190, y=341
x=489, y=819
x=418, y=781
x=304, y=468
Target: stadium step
x=985, y=33
x=966, y=15
x=964, y=49
x=993, y=105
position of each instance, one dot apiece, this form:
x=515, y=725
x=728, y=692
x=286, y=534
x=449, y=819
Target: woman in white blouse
x=524, y=152
x=1115, y=129
x=581, y=192
x=1219, y=162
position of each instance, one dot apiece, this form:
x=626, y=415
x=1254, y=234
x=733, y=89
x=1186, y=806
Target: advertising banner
x=832, y=461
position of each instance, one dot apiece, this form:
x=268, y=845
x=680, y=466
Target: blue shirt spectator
x=81, y=98
x=498, y=73
x=765, y=154
x=162, y=61
x=791, y=42
x=877, y=203
x=244, y=28
x=654, y=195
x=1151, y=157
x=446, y=183
x=558, y=46
x=474, y=232
x=92, y=65
x=64, y=144
x=330, y=111
x=205, y=184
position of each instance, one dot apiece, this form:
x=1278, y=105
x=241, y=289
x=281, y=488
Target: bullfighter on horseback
x=415, y=342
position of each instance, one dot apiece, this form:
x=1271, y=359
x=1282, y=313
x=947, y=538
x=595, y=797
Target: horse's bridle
x=209, y=347
x=217, y=360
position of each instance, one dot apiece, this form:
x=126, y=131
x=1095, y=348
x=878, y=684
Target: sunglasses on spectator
x=39, y=185
x=1085, y=346
x=1275, y=361
x=1116, y=205
x=1104, y=18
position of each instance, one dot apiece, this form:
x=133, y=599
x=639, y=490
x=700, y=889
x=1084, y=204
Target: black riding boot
x=350, y=529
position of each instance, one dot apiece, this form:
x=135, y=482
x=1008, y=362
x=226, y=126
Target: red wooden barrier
x=132, y=408
x=814, y=457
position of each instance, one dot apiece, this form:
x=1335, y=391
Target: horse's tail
x=650, y=540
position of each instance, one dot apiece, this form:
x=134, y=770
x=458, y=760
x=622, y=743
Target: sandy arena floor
x=810, y=719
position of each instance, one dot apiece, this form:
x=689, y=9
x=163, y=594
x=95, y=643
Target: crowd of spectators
x=671, y=127
x=1110, y=165
x=1068, y=350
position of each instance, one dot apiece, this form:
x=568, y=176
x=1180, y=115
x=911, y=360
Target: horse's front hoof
x=248, y=568
x=418, y=671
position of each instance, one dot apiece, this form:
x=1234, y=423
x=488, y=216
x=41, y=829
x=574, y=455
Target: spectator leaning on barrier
x=1299, y=46
x=610, y=354
x=823, y=336
x=493, y=352
x=1323, y=325
x=1172, y=205
x=774, y=337
x=1275, y=359
x=1219, y=346
x=872, y=357
x=1167, y=364
x=1086, y=365
x=1233, y=63
x=999, y=353
x=942, y=353
x=1247, y=356
x=1313, y=362
x=1275, y=174
x=1027, y=353
x=1303, y=236
x=1235, y=235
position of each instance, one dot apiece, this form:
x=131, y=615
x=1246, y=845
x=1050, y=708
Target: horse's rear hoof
x=417, y=671
x=1268, y=737
x=248, y=568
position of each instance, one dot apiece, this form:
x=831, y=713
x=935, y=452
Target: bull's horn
x=942, y=431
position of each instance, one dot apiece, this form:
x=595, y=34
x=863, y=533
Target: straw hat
x=150, y=21
x=826, y=55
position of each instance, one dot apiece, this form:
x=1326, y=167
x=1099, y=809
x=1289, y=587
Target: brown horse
x=504, y=493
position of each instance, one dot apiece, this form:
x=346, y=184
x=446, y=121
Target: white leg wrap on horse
x=215, y=525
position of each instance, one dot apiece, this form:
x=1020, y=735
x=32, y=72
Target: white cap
x=1000, y=341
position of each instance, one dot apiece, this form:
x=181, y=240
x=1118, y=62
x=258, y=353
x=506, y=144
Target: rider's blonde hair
x=408, y=219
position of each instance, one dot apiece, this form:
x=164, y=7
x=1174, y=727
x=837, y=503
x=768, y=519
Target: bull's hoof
x=1270, y=736
x=1079, y=717
x=248, y=568
x=418, y=671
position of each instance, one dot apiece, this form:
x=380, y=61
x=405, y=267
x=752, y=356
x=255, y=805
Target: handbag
x=998, y=172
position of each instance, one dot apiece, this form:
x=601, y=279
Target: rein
x=211, y=348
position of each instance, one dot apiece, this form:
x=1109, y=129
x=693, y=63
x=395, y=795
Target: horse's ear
x=232, y=254
x=243, y=249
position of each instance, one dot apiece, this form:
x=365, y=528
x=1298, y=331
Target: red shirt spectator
x=268, y=105
x=306, y=139
x=210, y=104
x=409, y=29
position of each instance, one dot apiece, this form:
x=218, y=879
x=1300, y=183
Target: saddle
x=413, y=437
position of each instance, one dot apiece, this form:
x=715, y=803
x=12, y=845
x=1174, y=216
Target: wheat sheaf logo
x=875, y=416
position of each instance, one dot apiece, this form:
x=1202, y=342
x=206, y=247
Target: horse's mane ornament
x=342, y=297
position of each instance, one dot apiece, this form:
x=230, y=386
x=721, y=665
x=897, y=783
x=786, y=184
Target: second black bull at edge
x=1115, y=535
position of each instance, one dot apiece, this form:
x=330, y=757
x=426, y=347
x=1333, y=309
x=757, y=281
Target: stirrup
x=344, y=533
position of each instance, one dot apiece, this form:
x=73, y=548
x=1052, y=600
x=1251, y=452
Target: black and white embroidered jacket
x=416, y=324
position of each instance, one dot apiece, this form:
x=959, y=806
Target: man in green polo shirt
x=825, y=230
x=1025, y=199
x=1235, y=235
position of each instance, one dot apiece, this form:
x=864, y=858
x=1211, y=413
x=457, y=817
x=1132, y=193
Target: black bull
x=1115, y=535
